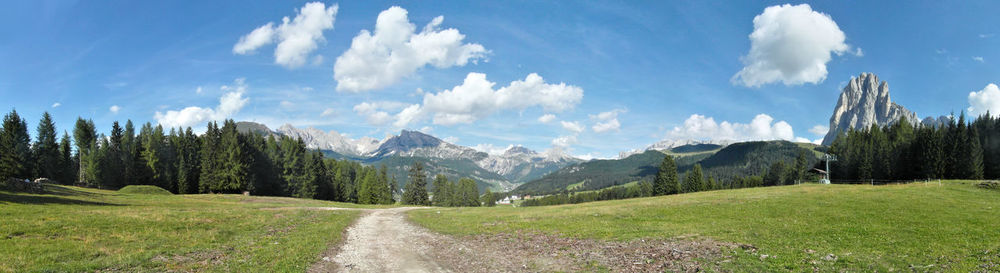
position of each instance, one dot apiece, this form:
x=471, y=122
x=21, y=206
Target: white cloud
x=490, y=149
x=372, y=114
x=450, y=139
x=54, y=105
x=409, y=114
x=791, y=44
x=985, y=100
x=546, y=118
x=802, y=140
x=572, y=126
x=605, y=126
x=978, y=59
x=607, y=121
x=762, y=127
x=986, y=35
x=858, y=52
x=819, y=130
x=382, y=57
x=230, y=103
x=286, y=104
x=564, y=142
x=476, y=98
x=328, y=112
x=818, y=141
x=296, y=38
x=198, y=90
x=114, y=109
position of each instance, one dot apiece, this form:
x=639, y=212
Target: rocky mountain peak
x=865, y=102
x=407, y=140
x=516, y=150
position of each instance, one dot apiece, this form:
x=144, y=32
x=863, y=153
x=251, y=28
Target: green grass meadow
x=952, y=226
x=71, y=229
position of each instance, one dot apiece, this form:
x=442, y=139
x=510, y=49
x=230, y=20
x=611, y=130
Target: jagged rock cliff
x=865, y=101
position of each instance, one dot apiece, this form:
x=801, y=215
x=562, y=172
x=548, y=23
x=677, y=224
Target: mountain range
x=503, y=171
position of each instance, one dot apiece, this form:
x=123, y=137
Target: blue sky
x=648, y=66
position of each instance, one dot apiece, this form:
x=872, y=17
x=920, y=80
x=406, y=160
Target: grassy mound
x=144, y=189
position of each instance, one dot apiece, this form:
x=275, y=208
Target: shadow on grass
x=41, y=199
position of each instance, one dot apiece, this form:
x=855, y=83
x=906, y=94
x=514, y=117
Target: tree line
x=903, y=151
x=222, y=160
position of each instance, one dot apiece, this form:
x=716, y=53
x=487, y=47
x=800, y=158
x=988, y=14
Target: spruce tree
x=210, y=159
x=415, y=192
x=67, y=169
x=489, y=199
x=85, y=137
x=442, y=193
x=15, y=148
x=469, y=192
x=46, y=150
x=666, y=178
x=111, y=159
x=694, y=180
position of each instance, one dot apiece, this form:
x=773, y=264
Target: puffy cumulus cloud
x=986, y=100
x=572, y=126
x=802, y=140
x=114, y=109
x=791, y=44
x=762, y=127
x=607, y=121
x=230, y=103
x=819, y=130
x=296, y=38
x=372, y=113
x=546, y=118
x=476, y=98
x=564, y=142
x=395, y=50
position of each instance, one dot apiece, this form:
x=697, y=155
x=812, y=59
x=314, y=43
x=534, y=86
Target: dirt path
x=383, y=241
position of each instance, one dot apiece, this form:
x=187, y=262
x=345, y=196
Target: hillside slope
x=948, y=227
x=72, y=229
x=725, y=164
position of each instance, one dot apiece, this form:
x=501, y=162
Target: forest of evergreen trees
x=222, y=160
x=901, y=151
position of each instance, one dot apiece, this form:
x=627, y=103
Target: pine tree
x=85, y=137
x=235, y=165
x=415, y=192
x=666, y=178
x=131, y=153
x=469, y=192
x=489, y=200
x=15, y=148
x=776, y=174
x=974, y=151
x=801, y=165
x=210, y=159
x=442, y=193
x=46, y=150
x=694, y=180
x=67, y=169
x=112, y=163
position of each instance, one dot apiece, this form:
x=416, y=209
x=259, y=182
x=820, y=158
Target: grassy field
x=952, y=226
x=72, y=229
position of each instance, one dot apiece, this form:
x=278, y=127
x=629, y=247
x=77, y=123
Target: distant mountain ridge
x=504, y=171
x=668, y=144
